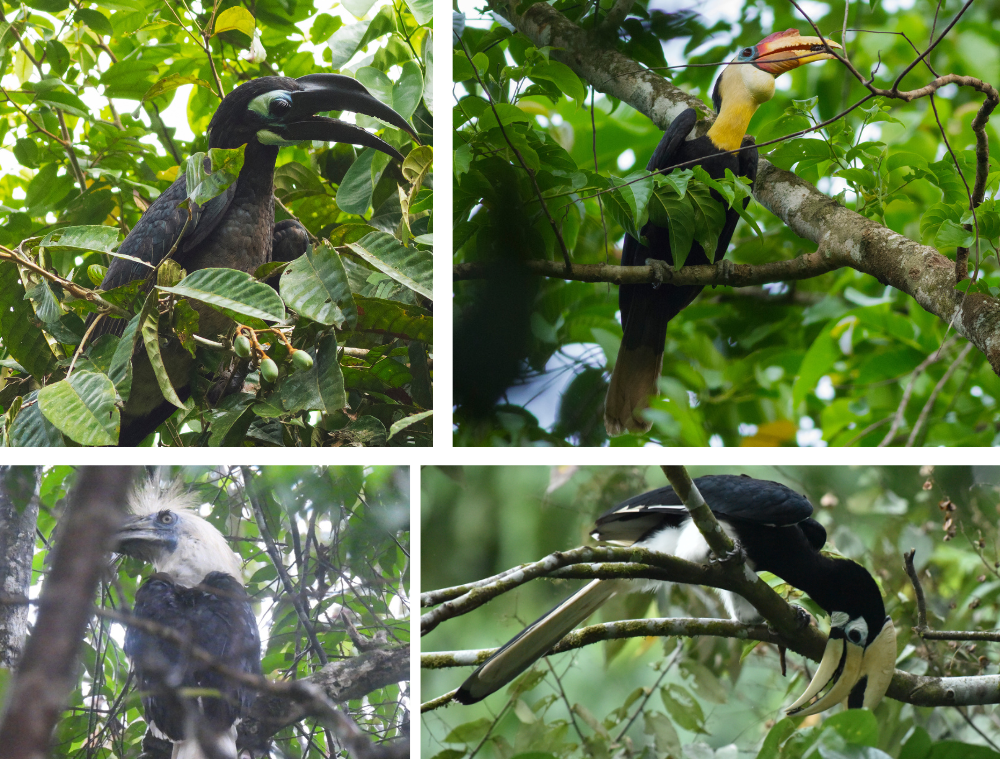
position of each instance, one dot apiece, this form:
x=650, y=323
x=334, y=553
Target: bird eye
x=279, y=107
x=746, y=52
x=857, y=632
x=165, y=517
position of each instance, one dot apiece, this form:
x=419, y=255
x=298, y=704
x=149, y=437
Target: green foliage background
x=361, y=562
x=717, y=697
x=87, y=74
x=826, y=359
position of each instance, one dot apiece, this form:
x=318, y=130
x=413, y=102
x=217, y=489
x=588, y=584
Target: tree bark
x=17, y=547
x=47, y=673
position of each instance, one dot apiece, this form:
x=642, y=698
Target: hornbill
x=196, y=591
x=742, y=87
x=235, y=229
x=773, y=526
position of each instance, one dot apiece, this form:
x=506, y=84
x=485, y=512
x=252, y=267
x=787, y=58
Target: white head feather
x=201, y=548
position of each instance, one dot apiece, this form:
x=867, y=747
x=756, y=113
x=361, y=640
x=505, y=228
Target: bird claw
x=660, y=270
x=735, y=556
x=803, y=619
x=725, y=270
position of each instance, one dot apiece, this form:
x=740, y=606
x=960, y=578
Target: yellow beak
x=846, y=665
x=787, y=50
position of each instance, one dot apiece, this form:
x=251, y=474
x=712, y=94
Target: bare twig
x=925, y=412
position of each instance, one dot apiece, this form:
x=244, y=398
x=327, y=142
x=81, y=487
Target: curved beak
x=143, y=537
x=856, y=675
x=336, y=92
x=787, y=50
x=877, y=669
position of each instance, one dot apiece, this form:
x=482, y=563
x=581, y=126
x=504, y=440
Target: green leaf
x=171, y=82
x=820, y=357
x=31, y=429
x=319, y=388
x=562, y=76
x=235, y=293
x=951, y=235
x=709, y=218
x=410, y=267
x=407, y=90
x=129, y=79
x=678, y=216
x=422, y=10
x=235, y=18
x=149, y=323
x=315, y=285
x=79, y=239
x=358, y=8
x=18, y=327
x=354, y=195
x=683, y=708
x=96, y=20
x=231, y=420
x=345, y=43
x=202, y=185
x=394, y=319
x=83, y=408
x=407, y=421
x=323, y=26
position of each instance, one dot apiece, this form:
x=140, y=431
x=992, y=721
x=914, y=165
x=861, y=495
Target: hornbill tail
x=534, y=641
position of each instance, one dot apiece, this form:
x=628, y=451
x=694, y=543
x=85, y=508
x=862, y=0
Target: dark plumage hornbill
x=773, y=526
x=235, y=229
x=742, y=87
x=198, y=592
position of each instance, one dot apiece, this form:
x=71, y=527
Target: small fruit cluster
x=245, y=345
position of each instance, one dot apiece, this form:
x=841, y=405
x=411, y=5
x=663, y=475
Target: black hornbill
x=742, y=87
x=235, y=229
x=197, y=591
x=773, y=526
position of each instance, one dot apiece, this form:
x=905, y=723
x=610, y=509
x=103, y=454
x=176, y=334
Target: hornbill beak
x=787, y=50
x=144, y=536
x=850, y=670
x=331, y=92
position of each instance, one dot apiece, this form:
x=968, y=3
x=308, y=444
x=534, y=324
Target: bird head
x=278, y=110
x=750, y=77
x=860, y=655
x=165, y=531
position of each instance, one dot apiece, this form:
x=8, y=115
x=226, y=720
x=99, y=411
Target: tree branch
x=918, y=270
x=47, y=672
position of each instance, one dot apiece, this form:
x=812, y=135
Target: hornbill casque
x=197, y=590
x=773, y=526
x=235, y=229
x=742, y=87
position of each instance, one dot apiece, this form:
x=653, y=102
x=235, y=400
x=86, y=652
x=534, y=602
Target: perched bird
x=742, y=87
x=198, y=592
x=773, y=526
x=236, y=228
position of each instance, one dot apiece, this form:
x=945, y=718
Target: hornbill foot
x=802, y=619
x=661, y=270
x=736, y=556
x=725, y=270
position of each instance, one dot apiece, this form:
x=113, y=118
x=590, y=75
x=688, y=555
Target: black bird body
x=235, y=229
x=214, y=616
x=196, y=591
x=774, y=527
x=647, y=309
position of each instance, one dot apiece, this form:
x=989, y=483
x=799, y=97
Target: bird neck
x=732, y=122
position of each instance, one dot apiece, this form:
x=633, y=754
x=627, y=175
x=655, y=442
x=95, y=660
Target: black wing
x=737, y=496
x=215, y=616
x=152, y=238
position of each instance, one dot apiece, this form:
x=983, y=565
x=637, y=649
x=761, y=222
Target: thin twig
x=925, y=412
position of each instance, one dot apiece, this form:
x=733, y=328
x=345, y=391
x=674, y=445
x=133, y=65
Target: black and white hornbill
x=197, y=591
x=742, y=87
x=235, y=229
x=774, y=528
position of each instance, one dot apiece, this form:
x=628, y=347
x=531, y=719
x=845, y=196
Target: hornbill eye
x=279, y=107
x=857, y=632
x=165, y=517
x=746, y=52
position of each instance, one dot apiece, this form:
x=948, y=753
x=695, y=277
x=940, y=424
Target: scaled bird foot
x=661, y=269
x=736, y=556
x=725, y=269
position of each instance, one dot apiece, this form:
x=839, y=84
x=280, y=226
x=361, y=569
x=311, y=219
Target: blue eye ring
x=747, y=52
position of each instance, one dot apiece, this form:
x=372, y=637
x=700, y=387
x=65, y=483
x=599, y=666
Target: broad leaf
x=83, y=408
x=235, y=293
x=410, y=267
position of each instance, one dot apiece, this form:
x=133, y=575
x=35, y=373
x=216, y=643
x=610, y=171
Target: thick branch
x=918, y=270
x=47, y=673
x=806, y=266
x=702, y=516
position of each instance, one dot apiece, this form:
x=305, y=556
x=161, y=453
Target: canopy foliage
x=96, y=100
x=832, y=359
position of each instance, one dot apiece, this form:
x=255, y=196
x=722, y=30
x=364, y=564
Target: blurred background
x=710, y=697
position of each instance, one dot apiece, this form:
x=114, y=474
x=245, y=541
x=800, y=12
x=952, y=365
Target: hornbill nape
x=198, y=592
x=773, y=526
x=235, y=229
x=742, y=87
